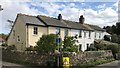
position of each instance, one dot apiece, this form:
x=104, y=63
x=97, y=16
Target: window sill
x=35, y=34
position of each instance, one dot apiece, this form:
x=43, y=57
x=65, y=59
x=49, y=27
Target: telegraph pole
x=58, y=43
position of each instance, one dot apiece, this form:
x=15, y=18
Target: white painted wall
x=86, y=40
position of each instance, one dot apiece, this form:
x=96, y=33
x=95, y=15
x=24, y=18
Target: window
x=80, y=46
x=84, y=34
x=99, y=35
x=58, y=30
x=89, y=34
x=87, y=45
x=35, y=31
x=80, y=34
x=66, y=32
x=95, y=34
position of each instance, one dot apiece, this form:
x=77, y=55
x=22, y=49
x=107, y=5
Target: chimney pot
x=59, y=17
x=81, y=19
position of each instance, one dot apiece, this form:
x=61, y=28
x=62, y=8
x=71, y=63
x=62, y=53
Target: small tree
x=114, y=49
x=69, y=44
x=47, y=43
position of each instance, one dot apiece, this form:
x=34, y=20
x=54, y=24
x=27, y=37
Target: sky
x=95, y=13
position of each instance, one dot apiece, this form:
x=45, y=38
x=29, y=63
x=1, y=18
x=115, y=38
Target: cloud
x=101, y=6
x=69, y=11
x=11, y=8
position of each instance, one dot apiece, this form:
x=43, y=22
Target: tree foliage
x=70, y=44
x=114, y=30
x=47, y=43
x=4, y=36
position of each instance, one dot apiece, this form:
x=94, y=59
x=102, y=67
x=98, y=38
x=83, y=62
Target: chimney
x=59, y=17
x=81, y=19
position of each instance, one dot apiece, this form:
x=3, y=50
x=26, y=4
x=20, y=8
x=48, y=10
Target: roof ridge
x=56, y=18
x=91, y=24
x=26, y=14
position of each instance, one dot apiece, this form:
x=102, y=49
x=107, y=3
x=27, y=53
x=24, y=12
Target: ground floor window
x=80, y=46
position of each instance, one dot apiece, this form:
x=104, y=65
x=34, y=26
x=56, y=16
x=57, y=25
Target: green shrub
x=31, y=48
x=114, y=49
x=100, y=46
x=11, y=47
x=94, y=63
x=47, y=43
x=91, y=48
x=69, y=44
x=4, y=44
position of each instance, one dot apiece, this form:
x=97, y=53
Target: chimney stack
x=59, y=17
x=81, y=19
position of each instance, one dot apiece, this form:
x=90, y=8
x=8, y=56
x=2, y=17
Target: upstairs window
x=95, y=34
x=84, y=34
x=58, y=30
x=35, y=30
x=66, y=32
x=80, y=34
x=89, y=34
x=99, y=35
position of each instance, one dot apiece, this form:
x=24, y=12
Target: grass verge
x=95, y=63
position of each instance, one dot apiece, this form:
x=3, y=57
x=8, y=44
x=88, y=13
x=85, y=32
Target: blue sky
x=96, y=13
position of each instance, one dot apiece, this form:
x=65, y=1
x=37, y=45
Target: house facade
x=27, y=30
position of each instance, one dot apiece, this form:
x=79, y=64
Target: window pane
x=89, y=34
x=58, y=30
x=80, y=33
x=84, y=34
x=35, y=31
x=66, y=32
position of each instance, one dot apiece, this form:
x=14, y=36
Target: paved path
x=114, y=64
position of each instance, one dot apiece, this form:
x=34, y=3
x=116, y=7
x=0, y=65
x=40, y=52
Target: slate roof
x=33, y=20
x=50, y=21
x=95, y=27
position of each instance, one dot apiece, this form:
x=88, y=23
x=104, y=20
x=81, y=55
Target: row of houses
x=28, y=29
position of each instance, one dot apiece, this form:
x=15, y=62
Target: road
x=10, y=65
x=4, y=64
x=114, y=64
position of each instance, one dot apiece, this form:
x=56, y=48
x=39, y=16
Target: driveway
x=114, y=64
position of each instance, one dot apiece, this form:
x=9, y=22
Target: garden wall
x=89, y=56
x=41, y=59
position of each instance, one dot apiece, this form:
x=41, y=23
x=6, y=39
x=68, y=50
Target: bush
x=114, y=49
x=91, y=48
x=100, y=46
x=4, y=44
x=47, y=43
x=11, y=47
x=31, y=48
x=69, y=44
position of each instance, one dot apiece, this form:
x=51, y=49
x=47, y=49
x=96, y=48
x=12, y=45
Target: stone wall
x=88, y=56
x=41, y=59
x=24, y=57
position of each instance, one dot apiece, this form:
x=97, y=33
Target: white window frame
x=35, y=31
x=58, y=30
x=66, y=32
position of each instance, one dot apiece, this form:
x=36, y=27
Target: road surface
x=14, y=65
